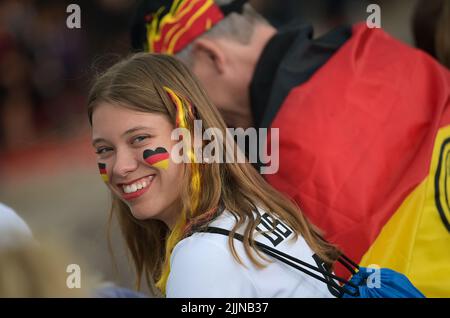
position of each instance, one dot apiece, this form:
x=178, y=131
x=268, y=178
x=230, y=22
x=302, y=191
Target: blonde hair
x=138, y=83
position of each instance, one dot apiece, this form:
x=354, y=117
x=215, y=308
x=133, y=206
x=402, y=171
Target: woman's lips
x=133, y=195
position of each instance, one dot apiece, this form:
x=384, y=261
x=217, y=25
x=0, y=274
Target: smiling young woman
x=162, y=206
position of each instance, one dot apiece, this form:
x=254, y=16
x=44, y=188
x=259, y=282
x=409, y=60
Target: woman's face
x=133, y=154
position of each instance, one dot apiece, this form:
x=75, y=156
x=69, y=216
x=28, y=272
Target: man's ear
x=210, y=52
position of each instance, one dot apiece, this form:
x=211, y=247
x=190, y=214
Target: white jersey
x=202, y=265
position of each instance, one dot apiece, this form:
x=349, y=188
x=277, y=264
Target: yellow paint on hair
x=184, y=114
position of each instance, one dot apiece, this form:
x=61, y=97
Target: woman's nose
x=125, y=163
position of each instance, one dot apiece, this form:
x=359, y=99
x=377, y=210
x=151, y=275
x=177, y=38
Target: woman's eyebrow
x=127, y=132
x=134, y=129
x=97, y=140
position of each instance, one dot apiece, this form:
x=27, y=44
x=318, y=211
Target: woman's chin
x=141, y=214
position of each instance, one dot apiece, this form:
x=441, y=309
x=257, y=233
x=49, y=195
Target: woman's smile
x=136, y=188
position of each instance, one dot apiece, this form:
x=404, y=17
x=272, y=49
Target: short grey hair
x=234, y=26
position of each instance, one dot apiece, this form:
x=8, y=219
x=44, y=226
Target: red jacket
x=357, y=138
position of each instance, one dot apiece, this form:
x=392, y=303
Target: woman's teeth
x=138, y=185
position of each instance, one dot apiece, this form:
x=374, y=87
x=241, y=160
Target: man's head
x=220, y=41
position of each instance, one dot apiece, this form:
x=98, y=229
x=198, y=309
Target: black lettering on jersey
x=325, y=267
x=277, y=234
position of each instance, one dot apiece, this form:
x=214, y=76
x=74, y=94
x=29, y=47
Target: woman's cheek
x=103, y=171
x=158, y=158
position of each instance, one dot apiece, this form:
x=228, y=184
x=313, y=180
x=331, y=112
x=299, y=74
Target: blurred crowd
x=44, y=66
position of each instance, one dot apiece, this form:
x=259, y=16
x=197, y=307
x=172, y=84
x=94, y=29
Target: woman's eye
x=139, y=139
x=103, y=150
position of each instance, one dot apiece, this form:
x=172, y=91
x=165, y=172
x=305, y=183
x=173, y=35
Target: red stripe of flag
x=157, y=157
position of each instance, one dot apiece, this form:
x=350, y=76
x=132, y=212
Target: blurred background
x=48, y=171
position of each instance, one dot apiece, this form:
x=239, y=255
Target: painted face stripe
x=103, y=172
x=163, y=164
x=153, y=159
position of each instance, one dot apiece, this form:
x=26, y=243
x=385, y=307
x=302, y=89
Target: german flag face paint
x=103, y=173
x=158, y=158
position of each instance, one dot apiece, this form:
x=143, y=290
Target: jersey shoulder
x=203, y=266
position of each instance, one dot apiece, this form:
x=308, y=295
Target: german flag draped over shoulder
x=365, y=151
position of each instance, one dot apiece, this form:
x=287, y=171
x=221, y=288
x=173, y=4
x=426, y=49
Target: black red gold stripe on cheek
x=158, y=158
x=103, y=172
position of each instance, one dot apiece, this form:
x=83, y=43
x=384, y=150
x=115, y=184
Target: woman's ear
x=207, y=52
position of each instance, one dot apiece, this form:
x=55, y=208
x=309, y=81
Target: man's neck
x=237, y=120
x=261, y=36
